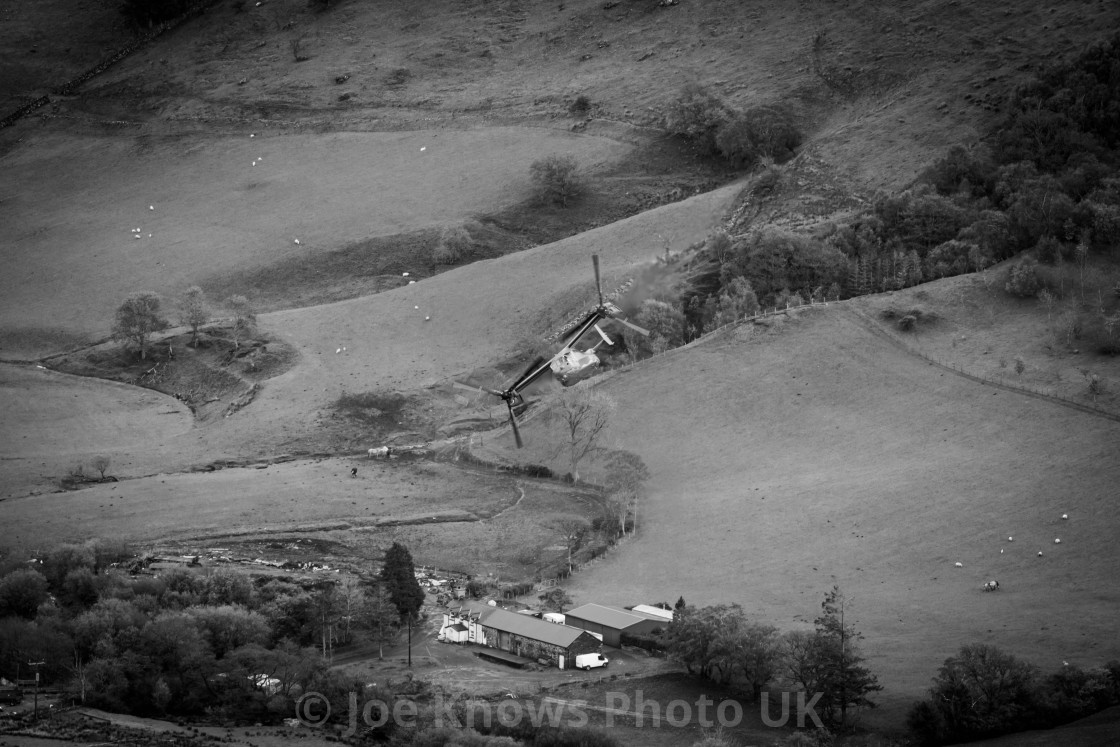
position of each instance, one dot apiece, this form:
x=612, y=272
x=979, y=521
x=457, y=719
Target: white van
x=590, y=661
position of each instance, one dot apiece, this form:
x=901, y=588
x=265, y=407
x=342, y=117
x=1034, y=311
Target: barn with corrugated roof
x=612, y=622
x=520, y=635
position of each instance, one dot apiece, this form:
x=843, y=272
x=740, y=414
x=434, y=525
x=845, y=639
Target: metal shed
x=612, y=622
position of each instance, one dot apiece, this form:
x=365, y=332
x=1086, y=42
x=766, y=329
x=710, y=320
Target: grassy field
x=822, y=455
x=47, y=413
x=211, y=205
x=786, y=456
x=459, y=518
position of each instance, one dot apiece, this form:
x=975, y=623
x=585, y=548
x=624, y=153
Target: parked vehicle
x=591, y=661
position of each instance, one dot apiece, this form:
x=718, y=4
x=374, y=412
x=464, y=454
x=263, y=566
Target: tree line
x=1045, y=180
x=213, y=642
x=140, y=316
x=982, y=692
x=721, y=643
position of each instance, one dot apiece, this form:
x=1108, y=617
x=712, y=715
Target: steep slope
x=209, y=206
x=479, y=314
x=807, y=452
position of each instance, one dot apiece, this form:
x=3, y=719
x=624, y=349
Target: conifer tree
x=399, y=576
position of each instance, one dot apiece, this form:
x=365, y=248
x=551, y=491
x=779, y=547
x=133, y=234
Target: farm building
x=521, y=635
x=612, y=622
x=651, y=611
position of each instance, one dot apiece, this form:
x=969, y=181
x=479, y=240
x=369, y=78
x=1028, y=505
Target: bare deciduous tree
x=584, y=415
x=384, y=618
x=101, y=464
x=137, y=319
x=572, y=530
x=626, y=474
x=1047, y=299
x=244, y=318
x=193, y=312
x=555, y=599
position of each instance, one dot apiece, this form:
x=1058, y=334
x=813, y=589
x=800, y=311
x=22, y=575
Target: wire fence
x=1041, y=392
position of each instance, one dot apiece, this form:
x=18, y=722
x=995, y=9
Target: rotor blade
x=598, y=284
x=579, y=330
x=482, y=389
x=634, y=327
x=513, y=424
x=535, y=369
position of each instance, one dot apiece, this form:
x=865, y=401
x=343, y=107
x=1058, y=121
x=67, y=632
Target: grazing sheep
x=380, y=451
x=992, y=585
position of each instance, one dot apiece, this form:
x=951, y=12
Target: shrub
x=696, y=115
x=101, y=464
x=1106, y=223
x=581, y=105
x=991, y=232
x=773, y=259
x=644, y=642
x=963, y=171
x=454, y=245
x=1049, y=250
x=921, y=219
x=907, y=323
x=736, y=301
x=737, y=141
x=1039, y=208
x=556, y=179
x=513, y=590
x=478, y=587
x=1103, y=334
x=1070, y=326
x=398, y=76
x=718, y=244
x=296, y=45
x=530, y=470
x=665, y=323
x=952, y=257
x=1023, y=280
x=748, y=136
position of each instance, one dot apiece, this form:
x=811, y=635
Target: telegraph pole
x=36, y=664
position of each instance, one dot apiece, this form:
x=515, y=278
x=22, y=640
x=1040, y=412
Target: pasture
x=786, y=456
x=210, y=204
x=819, y=454
x=452, y=516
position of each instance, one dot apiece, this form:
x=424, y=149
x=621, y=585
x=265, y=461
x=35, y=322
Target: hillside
x=820, y=454
x=787, y=454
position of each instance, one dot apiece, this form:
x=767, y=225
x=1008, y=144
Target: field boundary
x=878, y=330
x=72, y=85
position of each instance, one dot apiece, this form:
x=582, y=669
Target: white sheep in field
x=992, y=585
x=380, y=452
